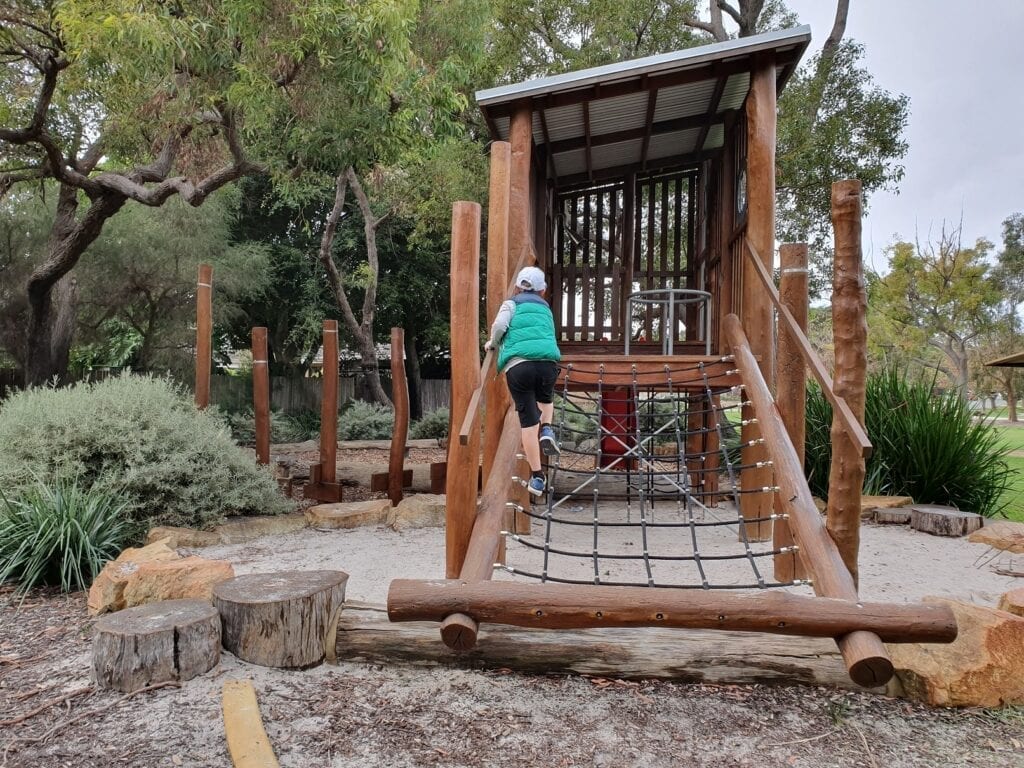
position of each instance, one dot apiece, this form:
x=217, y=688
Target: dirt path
x=358, y=715
x=354, y=714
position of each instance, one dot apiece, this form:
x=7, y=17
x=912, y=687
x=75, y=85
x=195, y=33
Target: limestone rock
x=348, y=514
x=1013, y=602
x=984, y=667
x=182, y=537
x=1002, y=534
x=107, y=590
x=241, y=529
x=188, y=578
x=424, y=510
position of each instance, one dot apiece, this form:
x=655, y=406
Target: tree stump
x=893, y=516
x=280, y=619
x=943, y=521
x=155, y=643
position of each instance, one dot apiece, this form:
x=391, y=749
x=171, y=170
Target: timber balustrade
x=865, y=656
x=840, y=407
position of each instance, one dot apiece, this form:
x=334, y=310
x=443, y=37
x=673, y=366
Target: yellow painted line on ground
x=247, y=740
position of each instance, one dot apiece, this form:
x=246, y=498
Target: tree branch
x=370, y=224
x=326, y=243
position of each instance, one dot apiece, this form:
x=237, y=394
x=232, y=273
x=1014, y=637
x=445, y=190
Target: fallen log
x=686, y=656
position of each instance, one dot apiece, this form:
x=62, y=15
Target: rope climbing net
x=647, y=489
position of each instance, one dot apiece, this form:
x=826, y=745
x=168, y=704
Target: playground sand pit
x=355, y=714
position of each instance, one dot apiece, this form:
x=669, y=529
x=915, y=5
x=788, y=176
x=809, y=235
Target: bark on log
x=943, y=521
x=280, y=619
x=850, y=334
x=690, y=656
x=155, y=643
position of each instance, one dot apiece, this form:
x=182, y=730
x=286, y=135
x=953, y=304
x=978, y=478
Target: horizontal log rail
x=851, y=426
x=865, y=656
x=490, y=358
x=587, y=607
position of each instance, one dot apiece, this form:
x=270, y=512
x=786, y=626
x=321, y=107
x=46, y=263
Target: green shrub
x=137, y=436
x=927, y=446
x=283, y=427
x=60, y=534
x=433, y=426
x=365, y=421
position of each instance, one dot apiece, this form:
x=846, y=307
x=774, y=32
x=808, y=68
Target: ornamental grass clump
x=927, y=445
x=60, y=534
x=139, y=437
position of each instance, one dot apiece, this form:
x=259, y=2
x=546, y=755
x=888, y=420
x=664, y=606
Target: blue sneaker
x=548, y=442
x=537, y=486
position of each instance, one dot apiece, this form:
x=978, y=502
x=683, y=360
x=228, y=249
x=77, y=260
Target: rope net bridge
x=658, y=514
x=646, y=491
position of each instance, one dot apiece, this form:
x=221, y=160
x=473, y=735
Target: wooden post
x=329, y=405
x=496, y=397
x=261, y=394
x=791, y=389
x=400, y=432
x=463, y=460
x=521, y=141
x=204, y=334
x=756, y=308
x=850, y=338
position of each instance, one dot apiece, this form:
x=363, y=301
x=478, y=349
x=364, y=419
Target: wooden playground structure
x=646, y=192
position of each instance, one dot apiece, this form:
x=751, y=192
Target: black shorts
x=531, y=382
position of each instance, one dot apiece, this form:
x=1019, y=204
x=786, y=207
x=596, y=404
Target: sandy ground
x=897, y=564
x=353, y=714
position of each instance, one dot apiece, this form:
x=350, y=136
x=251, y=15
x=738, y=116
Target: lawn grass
x=1013, y=437
x=1014, y=495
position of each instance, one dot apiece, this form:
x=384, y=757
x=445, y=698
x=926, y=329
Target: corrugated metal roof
x=621, y=116
x=662, y=62
x=618, y=114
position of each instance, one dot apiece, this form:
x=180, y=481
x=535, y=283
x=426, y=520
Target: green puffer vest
x=531, y=334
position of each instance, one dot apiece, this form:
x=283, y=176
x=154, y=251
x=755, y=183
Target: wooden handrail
x=850, y=424
x=458, y=630
x=865, y=656
x=469, y=420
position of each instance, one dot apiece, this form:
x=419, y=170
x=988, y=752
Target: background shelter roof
x=656, y=112
x=1011, y=361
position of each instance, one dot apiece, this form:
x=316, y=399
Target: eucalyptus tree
x=121, y=102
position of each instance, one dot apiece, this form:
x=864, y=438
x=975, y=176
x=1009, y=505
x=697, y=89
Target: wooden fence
x=288, y=394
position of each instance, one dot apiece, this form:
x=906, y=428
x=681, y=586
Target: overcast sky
x=961, y=64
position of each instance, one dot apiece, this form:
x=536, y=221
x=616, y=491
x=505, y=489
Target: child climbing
x=528, y=355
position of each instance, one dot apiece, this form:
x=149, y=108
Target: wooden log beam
x=261, y=394
x=520, y=239
x=850, y=342
x=584, y=371
x=866, y=658
x=587, y=607
x=204, y=334
x=400, y=431
x=463, y=457
x=689, y=656
x=791, y=389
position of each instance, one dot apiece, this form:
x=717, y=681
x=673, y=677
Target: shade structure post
x=463, y=459
x=756, y=306
x=261, y=394
x=850, y=341
x=204, y=334
x=400, y=431
x=791, y=388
